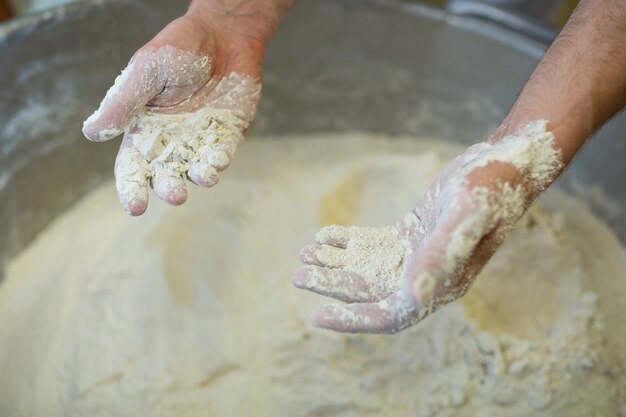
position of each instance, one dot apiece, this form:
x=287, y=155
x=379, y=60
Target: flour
x=181, y=120
x=162, y=77
x=533, y=154
x=190, y=312
x=372, y=255
x=359, y=263
x=165, y=147
x=121, y=81
x=458, y=212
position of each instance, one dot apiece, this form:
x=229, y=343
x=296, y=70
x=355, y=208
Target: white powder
x=374, y=257
x=166, y=77
x=166, y=147
x=190, y=312
x=445, y=228
x=532, y=153
x=181, y=121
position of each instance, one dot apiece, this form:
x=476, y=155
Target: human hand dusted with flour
x=186, y=99
x=394, y=277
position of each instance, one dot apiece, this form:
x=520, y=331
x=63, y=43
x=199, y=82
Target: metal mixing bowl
x=396, y=67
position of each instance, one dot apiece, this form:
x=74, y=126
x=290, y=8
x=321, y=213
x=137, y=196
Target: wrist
x=252, y=21
x=571, y=127
x=579, y=84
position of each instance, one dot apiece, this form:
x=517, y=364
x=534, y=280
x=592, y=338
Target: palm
x=359, y=264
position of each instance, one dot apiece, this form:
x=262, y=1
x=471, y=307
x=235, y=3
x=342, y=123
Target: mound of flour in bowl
x=190, y=311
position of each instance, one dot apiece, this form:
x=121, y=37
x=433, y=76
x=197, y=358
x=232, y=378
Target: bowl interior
x=398, y=68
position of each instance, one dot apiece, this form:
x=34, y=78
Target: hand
x=396, y=276
x=185, y=101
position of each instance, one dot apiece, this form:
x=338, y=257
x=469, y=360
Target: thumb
x=446, y=264
x=132, y=90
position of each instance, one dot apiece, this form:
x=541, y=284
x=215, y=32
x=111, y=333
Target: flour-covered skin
x=186, y=99
x=578, y=85
x=180, y=122
x=162, y=149
x=436, y=254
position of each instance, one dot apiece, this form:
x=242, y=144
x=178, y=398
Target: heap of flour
x=190, y=311
x=167, y=147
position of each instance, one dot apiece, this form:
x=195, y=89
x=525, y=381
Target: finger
x=440, y=272
x=336, y=283
x=203, y=174
x=169, y=186
x=131, y=179
x=411, y=230
x=335, y=235
x=220, y=155
x=132, y=89
x=388, y=316
x=323, y=255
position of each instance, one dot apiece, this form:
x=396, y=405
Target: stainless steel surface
x=526, y=17
x=392, y=67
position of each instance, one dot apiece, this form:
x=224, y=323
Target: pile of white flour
x=190, y=311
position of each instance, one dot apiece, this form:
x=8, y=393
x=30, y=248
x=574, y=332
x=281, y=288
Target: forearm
x=581, y=81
